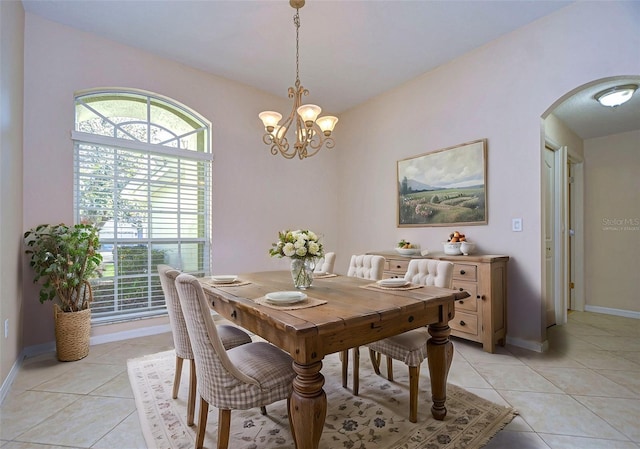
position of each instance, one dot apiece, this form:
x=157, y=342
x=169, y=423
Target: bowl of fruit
x=453, y=244
x=407, y=249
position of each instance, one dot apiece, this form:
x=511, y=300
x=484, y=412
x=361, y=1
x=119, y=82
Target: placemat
x=308, y=302
x=236, y=283
x=379, y=287
x=324, y=276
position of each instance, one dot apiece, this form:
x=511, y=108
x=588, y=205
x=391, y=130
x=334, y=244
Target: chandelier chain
x=296, y=22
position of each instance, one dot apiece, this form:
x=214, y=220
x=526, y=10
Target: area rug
x=377, y=419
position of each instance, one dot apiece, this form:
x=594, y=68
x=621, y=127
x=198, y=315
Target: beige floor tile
x=463, y=374
x=559, y=414
x=584, y=382
x=623, y=414
x=571, y=442
x=516, y=440
x=86, y=378
x=82, y=423
x=601, y=359
x=632, y=356
x=37, y=370
x=515, y=377
x=119, y=387
x=629, y=379
x=127, y=435
x=121, y=354
x=22, y=411
x=473, y=353
x=541, y=359
x=19, y=445
x=615, y=342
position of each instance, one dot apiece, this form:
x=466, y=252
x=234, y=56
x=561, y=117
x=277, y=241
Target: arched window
x=143, y=177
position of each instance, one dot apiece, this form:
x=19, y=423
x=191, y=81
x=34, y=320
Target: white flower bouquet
x=300, y=244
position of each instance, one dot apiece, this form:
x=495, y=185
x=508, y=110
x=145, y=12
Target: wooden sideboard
x=481, y=317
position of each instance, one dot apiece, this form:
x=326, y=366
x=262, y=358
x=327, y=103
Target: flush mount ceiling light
x=310, y=131
x=617, y=95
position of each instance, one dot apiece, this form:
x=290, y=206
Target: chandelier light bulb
x=309, y=113
x=270, y=119
x=327, y=123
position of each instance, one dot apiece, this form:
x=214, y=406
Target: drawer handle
x=461, y=302
x=234, y=314
x=461, y=289
x=213, y=304
x=462, y=272
x=397, y=266
x=462, y=323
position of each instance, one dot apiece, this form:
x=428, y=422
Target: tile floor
x=583, y=393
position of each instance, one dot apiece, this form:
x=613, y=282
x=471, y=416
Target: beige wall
x=558, y=132
x=11, y=107
x=255, y=194
x=498, y=92
x=612, y=222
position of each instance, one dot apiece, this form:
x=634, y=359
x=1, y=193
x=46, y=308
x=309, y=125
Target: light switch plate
x=516, y=224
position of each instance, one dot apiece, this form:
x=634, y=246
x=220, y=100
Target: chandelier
x=311, y=132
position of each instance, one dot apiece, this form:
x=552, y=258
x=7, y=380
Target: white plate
x=394, y=282
x=224, y=279
x=291, y=297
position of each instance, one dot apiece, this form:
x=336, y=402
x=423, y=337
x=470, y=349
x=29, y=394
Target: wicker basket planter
x=73, y=332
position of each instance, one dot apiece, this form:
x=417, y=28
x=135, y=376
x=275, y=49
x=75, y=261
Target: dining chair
x=325, y=264
x=252, y=375
x=411, y=347
x=365, y=266
x=231, y=337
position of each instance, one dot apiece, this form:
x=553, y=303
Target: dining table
x=338, y=313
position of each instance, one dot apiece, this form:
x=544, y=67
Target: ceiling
x=350, y=51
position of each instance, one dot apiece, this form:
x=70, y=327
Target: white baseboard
x=528, y=344
x=133, y=333
x=610, y=311
x=6, y=385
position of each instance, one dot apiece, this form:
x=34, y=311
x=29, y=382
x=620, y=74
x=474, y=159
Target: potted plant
x=64, y=258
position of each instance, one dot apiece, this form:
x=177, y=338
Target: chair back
x=366, y=266
x=430, y=272
x=181, y=340
x=218, y=378
x=325, y=264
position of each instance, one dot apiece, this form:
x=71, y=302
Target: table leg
x=308, y=405
x=439, y=356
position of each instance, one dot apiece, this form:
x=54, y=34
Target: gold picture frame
x=445, y=187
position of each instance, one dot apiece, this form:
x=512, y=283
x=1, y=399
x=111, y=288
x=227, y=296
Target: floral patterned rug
x=377, y=419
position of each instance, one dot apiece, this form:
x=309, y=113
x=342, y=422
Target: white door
x=549, y=232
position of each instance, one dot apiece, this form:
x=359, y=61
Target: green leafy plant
x=64, y=258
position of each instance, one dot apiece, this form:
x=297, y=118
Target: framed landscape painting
x=445, y=187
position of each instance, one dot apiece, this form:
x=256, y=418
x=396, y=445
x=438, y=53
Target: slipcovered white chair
x=325, y=264
x=411, y=347
x=231, y=336
x=248, y=376
x=365, y=266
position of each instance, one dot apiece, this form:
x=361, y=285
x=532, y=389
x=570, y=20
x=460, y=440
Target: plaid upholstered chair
x=231, y=337
x=365, y=266
x=411, y=347
x=251, y=375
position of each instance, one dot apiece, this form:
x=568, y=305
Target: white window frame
x=201, y=155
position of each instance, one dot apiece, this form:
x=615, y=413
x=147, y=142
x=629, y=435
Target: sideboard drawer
x=465, y=322
x=398, y=266
x=469, y=304
x=465, y=271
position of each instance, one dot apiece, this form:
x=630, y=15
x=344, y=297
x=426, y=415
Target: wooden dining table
x=349, y=312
